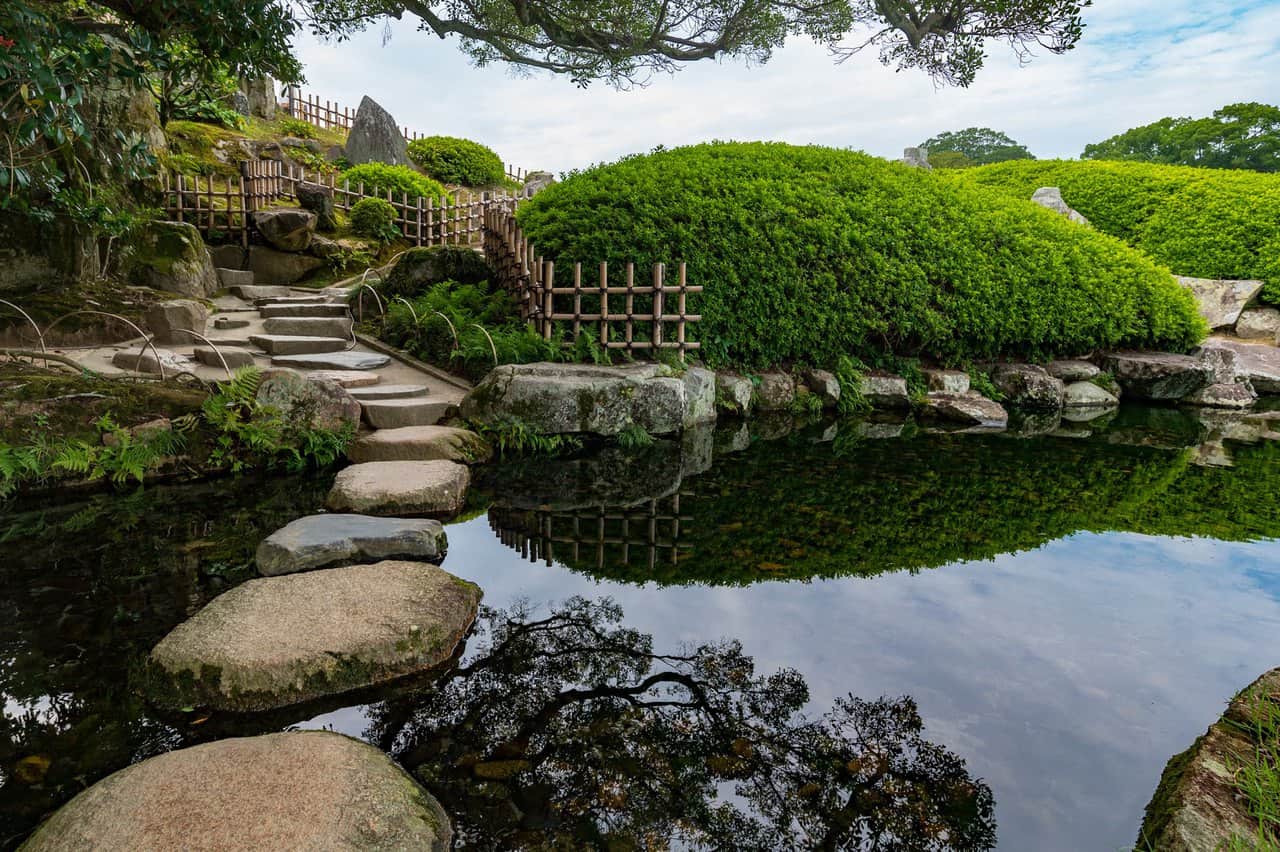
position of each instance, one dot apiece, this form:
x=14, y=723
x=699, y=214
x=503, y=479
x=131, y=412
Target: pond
x=1061, y=612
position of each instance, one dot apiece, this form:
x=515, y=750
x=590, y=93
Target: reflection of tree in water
x=571, y=731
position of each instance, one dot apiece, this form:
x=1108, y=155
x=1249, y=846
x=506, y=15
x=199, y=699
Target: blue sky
x=1140, y=60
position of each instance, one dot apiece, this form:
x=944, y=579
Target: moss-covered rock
x=171, y=256
x=421, y=268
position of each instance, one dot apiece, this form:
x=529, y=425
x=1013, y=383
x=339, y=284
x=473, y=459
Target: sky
x=1140, y=60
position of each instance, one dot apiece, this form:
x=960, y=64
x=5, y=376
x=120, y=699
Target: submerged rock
x=401, y=488
x=1221, y=301
x=970, y=409
x=323, y=541
x=1088, y=395
x=294, y=790
x=1159, y=375
x=277, y=641
x=1233, y=395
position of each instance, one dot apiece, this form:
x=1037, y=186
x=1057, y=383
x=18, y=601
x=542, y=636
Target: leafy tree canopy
x=980, y=146
x=1239, y=136
x=624, y=43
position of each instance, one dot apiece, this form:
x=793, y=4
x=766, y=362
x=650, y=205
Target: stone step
x=276, y=641
x=281, y=344
x=325, y=541
x=345, y=361
x=396, y=413
x=347, y=378
x=228, y=323
x=234, y=358
x=304, y=309
x=285, y=299
x=234, y=278
x=253, y=292
x=308, y=326
x=389, y=392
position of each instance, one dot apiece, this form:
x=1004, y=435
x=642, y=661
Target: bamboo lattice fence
x=647, y=313
x=646, y=534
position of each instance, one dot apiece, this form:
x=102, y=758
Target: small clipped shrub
x=457, y=161
x=298, y=128
x=374, y=218
x=1208, y=223
x=382, y=178
x=806, y=253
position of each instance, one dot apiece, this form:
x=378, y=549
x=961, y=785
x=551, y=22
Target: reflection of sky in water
x=1067, y=676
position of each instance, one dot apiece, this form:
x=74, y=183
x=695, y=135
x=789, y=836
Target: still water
x=1062, y=613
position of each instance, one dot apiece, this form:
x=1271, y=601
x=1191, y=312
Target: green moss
x=1164, y=803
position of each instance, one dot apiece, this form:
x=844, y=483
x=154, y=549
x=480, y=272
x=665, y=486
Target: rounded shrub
x=808, y=253
x=1209, y=223
x=458, y=161
x=382, y=178
x=375, y=218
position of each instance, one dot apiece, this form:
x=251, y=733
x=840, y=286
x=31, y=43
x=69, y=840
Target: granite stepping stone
x=288, y=344
x=396, y=413
x=293, y=790
x=305, y=309
x=309, y=326
x=420, y=443
x=333, y=361
x=401, y=488
x=228, y=323
x=390, y=392
x=347, y=378
x=235, y=358
x=277, y=641
x=323, y=541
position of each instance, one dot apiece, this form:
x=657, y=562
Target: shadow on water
x=843, y=500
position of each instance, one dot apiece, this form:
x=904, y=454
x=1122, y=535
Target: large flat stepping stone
x=401, y=488
x=420, y=443
x=397, y=413
x=323, y=541
x=390, y=392
x=254, y=292
x=287, y=299
x=228, y=323
x=309, y=326
x=281, y=344
x=276, y=641
x=347, y=378
x=294, y=790
x=234, y=357
x=149, y=360
x=333, y=361
x=304, y=309
x=234, y=278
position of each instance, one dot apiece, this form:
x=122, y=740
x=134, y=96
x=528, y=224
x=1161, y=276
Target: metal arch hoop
x=212, y=346
x=148, y=342
x=39, y=334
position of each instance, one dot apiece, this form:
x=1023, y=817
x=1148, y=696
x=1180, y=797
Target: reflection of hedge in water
x=790, y=511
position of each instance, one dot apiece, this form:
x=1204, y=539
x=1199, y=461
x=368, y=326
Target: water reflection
x=570, y=731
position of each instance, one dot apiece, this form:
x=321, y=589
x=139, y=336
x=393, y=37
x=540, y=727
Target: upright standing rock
x=319, y=200
x=375, y=137
x=260, y=92
x=169, y=320
x=1050, y=197
x=917, y=158
x=171, y=256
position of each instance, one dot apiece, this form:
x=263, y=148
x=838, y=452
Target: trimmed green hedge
x=382, y=178
x=374, y=217
x=807, y=253
x=1209, y=223
x=459, y=161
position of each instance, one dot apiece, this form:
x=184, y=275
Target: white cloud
x=1140, y=60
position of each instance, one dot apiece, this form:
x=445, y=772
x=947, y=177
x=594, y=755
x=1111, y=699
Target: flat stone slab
x=1072, y=370
x=146, y=361
x=309, y=326
x=276, y=641
x=333, y=361
x=228, y=323
x=294, y=790
x=349, y=379
x=232, y=278
x=304, y=309
x=420, y=443
x=1259, y=324
x=1236, y=395
x=1258, y=363
x=970, y=409
x=1159, y=375
x=1088, y=395
x=1221, y=302
x=287, y=298
x=323, y=541
x=390, y=392
x=234, y=358
x=401, y=488
x=254, y=292
x=287, y=344
x=397, y=413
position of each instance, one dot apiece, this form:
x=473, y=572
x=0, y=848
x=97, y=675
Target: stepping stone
x=276, y=641
x=283, y=344
x=401, y=488
x=309, y=326
x=252, y=293
x=323, y=541
x=347, y=378
x=227, y=323
x=395, y=413
x=389, y=392
x=309, y=309
x=145, y=361
x=234, y=278
x=288, y=299
x=420, y=443
x=293, y=790
x=235, y=358
x=333, y=361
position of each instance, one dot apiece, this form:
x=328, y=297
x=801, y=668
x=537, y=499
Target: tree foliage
x=626, y=43
x=979, y=145
x=1239, y=136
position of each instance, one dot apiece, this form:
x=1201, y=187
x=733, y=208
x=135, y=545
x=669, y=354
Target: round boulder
x=277, y=641
x=286, y=228
x=1028, y=387
x=295, y=790
x=169, y=321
